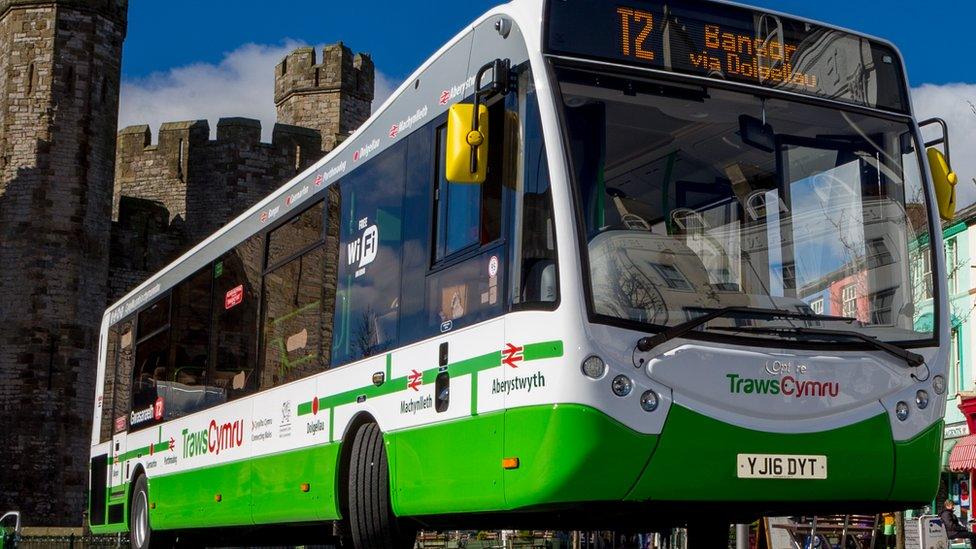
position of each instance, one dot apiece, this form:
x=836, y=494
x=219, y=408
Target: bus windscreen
x=732, y=43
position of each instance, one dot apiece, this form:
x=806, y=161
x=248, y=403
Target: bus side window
x=151, y=361
x=110, y=348
x=118, y=380
x=370, y=246
x=237, y=287
x=465, y=280
x=185, y=384
x=295, y=307
x=536, y=282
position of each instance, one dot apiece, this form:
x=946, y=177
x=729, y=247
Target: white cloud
x=241, y=84
x=383, y=88
x=955, y=103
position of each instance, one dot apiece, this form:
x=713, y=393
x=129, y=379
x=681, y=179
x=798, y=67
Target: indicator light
x=901, y=411
x=218, y=498
x=510, y=463
x=305, y=487
x=649, y=401
x=621, y=385
x=922, y=399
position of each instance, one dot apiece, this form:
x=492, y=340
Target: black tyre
x=372, y=524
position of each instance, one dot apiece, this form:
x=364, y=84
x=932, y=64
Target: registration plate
x=781, y=466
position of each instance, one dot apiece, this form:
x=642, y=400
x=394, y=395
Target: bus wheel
x=372, y=523
x=141, y=535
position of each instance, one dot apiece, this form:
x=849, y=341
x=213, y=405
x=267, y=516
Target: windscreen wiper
x=912, y=359
x=645, y=344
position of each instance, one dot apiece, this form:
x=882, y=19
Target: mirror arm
x=499, y=85
x=944, y=140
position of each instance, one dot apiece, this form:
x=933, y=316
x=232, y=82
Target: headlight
x=901, y=411
x=594, y=367
x=922, y=399
x=938, y=384
x=621, y=385
x=649, y=401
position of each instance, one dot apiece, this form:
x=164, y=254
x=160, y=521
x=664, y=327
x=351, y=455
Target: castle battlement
x=334, y=96
x=175, y=138
x=340, y=70
x=202, y=181
x=113, y=9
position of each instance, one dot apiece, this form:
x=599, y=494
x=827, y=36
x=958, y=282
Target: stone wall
x=172, y=195
x=59, y=82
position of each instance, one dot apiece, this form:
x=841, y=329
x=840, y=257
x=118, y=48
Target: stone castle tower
x=59, y=89
x=171, y=195
x=333, y=97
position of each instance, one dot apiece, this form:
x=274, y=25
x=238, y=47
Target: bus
x=636, y=264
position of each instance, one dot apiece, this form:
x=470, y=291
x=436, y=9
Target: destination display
x=731, y=43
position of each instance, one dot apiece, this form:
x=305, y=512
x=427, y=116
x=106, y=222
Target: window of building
x=849, y=301
x=296, y=300
x=878, y=254
x=921, y=271
x=672, y=276
x=789, y=276
x=952, y=265
x=237, y=287
x=955, y=366
x=881, y=303
x=817, y=306
x=370, y=231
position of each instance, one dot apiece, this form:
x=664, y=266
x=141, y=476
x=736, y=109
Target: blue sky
x=189, y=60
x=933, y=35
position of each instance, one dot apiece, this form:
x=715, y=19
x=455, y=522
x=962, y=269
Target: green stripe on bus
x=473, y=365
x=547, y=349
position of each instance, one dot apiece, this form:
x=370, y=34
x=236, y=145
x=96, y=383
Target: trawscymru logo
x=216, y=438
x=786, y=386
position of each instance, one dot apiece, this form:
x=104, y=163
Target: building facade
x=960, y=255
x=60, y=63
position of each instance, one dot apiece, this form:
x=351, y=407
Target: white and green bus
x=593, y=265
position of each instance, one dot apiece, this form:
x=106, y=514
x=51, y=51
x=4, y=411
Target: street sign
x=926, y=532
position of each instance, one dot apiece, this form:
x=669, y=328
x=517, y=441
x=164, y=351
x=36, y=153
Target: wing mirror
x=467, y=127
x=943, y=178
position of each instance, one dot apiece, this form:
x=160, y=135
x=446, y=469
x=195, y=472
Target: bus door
x=119, y=367
x=117, y=477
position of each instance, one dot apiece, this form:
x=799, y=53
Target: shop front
x=959, y=461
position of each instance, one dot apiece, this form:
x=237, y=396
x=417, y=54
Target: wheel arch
x=137, y=471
